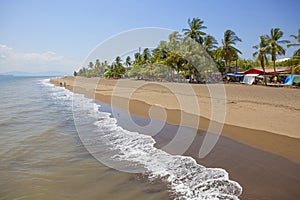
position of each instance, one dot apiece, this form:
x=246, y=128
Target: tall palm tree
x=97, y=66
x=137, y=59
x=297, y=44
x=209, y=44
x=90, y=65
x=194, y=30
x=97, y=63
x=146, y=56
x=274, y=42
x=217, y=56
x=262, y=50
x=235, y=57
x=174, y=41
x=228, y=49
x=128, y=61
x=118, y=61
x=117, y=68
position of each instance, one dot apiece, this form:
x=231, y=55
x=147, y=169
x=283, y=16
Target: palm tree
x=235, y=57
x=228, y=50
x=117, y=68
x=275, y=48
x=137, y=59
x=217, y=55
x=118, y=61
x=174, y=41
x=97, y=66
x=146, y=56
x=262, y=50
x=297, y=37
x=209, y=44
x=194, y=30
x=91, y=65
x=104, y=66
x=97, y=63
x=128, y=62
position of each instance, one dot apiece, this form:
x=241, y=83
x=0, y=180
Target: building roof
x=269, y=71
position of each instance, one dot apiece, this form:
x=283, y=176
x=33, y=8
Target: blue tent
x=235, y=75
x=292, y=79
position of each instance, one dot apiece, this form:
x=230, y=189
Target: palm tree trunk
x=226, y=66
x=264, y=72
x=229, y=68
x=274, y=65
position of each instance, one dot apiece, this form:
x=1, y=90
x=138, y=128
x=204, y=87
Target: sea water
x=43, y=156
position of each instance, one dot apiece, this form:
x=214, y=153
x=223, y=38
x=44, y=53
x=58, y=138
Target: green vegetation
x=295, y=61
x=195, y=55
x=116, y=70
x=262, y=50
x=228, y=51
x=275, y=47
x=296, y=44
x=194, y=30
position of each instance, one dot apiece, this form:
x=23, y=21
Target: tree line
x=195, y=54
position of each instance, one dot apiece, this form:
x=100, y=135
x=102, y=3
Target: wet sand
x=262, y=175
x=259, y=147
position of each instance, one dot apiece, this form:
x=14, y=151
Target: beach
x=260, y=141
x=42, y=157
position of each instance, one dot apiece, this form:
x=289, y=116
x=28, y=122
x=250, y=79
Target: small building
x=269, y=71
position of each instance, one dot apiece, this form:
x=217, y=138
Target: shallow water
x=43, y=157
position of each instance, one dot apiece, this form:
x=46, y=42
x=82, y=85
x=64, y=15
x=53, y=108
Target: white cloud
x=11, y=60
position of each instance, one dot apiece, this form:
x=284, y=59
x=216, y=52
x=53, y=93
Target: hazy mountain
x=46, y=73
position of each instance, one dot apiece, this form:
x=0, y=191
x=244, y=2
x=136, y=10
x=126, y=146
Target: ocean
x=58, y=145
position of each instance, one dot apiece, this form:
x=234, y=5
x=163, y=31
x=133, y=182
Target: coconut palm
x=91, y=65
x=128, y=61
x=262, y=50
x=146, y=56
x=235, y=57
x=97, y=63
x=209, y=44
x=117, y=69
x=297, y=44
x=228, y=49
x=275, y=48
x=174, y=41
x=217, y=56
x=194, y=30
x=97, y=67
x=137, y=59
x=118, y=61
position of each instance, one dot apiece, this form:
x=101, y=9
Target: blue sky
x=58, y=35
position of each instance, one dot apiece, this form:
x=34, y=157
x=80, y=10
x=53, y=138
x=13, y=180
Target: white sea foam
x=185, y=178
x=59, y=94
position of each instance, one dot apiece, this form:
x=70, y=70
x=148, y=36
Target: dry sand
x=262, y=117
x=260, y=142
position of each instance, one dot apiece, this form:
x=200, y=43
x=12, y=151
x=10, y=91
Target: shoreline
x=257, y=171
x=279, y=144
x=261, y=174
x=265, y=164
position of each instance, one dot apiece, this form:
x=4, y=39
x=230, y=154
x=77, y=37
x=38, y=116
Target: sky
x=58, y=35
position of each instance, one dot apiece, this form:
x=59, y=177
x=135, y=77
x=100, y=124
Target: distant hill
x=47, y=73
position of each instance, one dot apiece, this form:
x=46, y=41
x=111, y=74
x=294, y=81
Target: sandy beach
x=262, y=117
x=260, y=141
